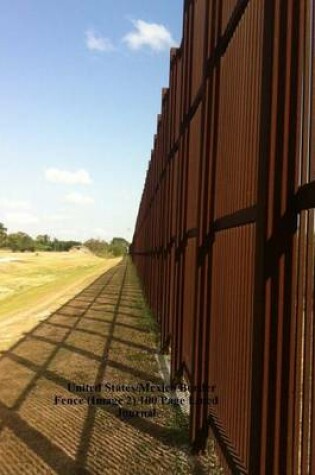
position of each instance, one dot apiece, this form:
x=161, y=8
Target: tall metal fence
x=224, y=240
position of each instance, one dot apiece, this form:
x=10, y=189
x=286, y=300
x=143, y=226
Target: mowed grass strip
x=32, y=278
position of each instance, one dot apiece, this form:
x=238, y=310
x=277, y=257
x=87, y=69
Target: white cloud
x=78, y=198
x=56, y=217
x=95, y=42
x=156, y=37
x=21, y=218
x=14, y=204
x=80, y=177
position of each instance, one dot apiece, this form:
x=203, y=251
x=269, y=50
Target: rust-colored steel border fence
x=224, y=240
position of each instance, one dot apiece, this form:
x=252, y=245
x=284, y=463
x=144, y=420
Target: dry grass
x=33, y=285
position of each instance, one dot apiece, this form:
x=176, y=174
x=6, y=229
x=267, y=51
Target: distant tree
x=3, y=235
x=56, y=245
x=119, y=241
x=43, y=238
x=97, y=246
x=20, y=242
x=65, y=245
x=43, y=243
x=116, y=250
x=119, y=246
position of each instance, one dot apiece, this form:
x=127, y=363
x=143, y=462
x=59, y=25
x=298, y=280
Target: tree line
x=22, y=242
x=117, y=247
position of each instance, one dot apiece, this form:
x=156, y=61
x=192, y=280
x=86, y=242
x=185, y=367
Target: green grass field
x=33, y=283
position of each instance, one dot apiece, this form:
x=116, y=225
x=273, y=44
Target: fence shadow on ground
x=98, y=336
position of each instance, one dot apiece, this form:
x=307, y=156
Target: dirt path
x=102, y=336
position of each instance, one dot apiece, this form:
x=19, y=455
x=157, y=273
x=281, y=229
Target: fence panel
x=224, y=240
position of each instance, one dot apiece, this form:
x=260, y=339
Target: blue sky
x=80, y=89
